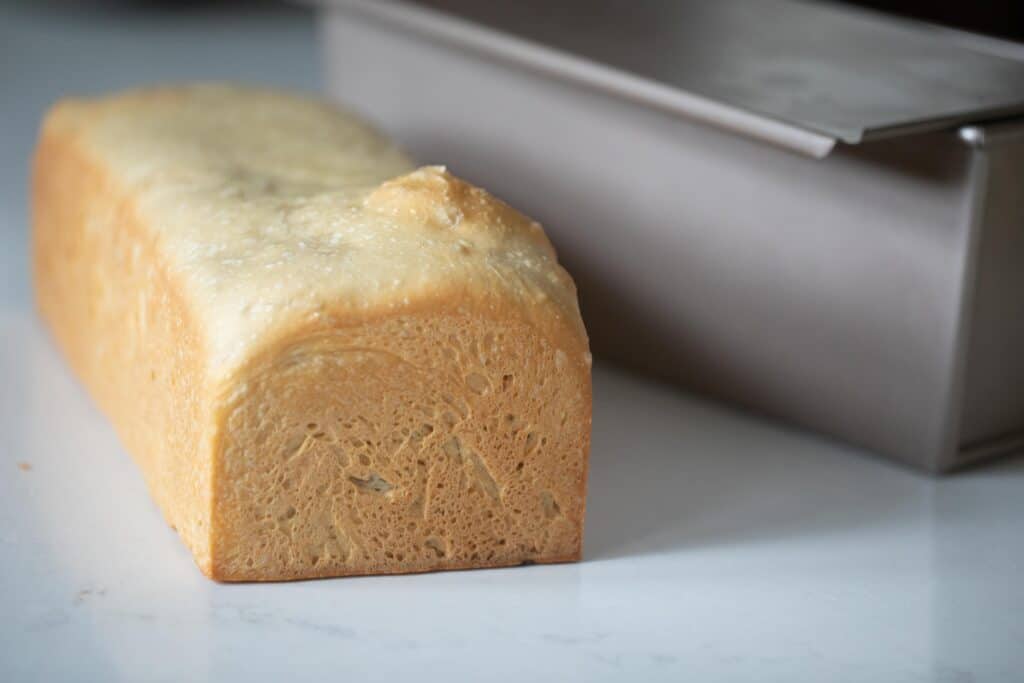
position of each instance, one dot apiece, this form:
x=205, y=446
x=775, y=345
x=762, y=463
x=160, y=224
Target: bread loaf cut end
x=429, y=440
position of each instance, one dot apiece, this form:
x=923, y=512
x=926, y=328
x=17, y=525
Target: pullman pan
x=811, y=211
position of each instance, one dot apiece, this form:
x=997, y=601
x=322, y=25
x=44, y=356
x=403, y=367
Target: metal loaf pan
x=813, y=212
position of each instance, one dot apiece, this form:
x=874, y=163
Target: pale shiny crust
x=324, y=361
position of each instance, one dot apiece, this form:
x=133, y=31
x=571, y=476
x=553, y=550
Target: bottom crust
x=306, y=575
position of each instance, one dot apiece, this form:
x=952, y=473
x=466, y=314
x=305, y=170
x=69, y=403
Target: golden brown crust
x=120, y=319
x=441, y=424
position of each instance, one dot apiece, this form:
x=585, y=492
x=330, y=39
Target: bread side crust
x=120, y=318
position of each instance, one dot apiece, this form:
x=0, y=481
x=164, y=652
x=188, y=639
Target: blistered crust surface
x=272, y=208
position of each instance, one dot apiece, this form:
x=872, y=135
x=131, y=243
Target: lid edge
x=555, y=63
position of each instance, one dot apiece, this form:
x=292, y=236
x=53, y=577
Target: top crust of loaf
x=277, y=212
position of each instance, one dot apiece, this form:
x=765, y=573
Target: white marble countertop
x=719, y=547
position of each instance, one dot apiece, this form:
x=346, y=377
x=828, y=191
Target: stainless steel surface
x=501, y=46
x=831, y=69
x=836, y=294
x=993, y=403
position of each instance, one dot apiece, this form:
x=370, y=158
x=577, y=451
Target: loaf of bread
x=324, y=360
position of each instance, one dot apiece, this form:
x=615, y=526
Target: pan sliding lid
x=834, y=72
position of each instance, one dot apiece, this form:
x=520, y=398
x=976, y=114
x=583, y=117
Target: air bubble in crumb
x=436, y=545
x=374, y=484
x=477, y=382
x=531, y=441
x=549, y=505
